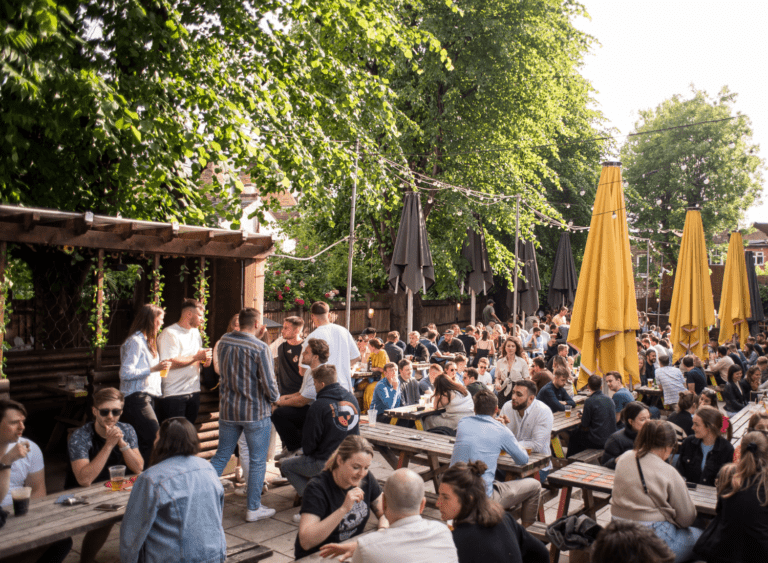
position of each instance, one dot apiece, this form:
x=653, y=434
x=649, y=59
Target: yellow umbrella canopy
x=735, y=307
x=604, y=318
x=693, y=309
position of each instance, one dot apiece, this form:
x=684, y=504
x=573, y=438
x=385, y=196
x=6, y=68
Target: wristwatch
x=4, y=466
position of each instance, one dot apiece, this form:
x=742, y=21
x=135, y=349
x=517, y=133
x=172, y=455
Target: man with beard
x=530, y=421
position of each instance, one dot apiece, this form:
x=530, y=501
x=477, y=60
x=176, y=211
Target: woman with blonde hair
x=739, y=532
x=141, y=376
x=337, y=503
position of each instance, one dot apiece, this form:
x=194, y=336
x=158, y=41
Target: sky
x=651, y=50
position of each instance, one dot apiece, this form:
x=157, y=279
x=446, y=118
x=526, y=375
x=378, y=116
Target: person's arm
x=129, y=447
x=216, y=358
x=378, y=510
x=129, y=361
x=265, y=356
x=170, y=348
x=586, y=417
x=37, y=482
x=568, y=399
x=510, y=445
x=313, y=431
x=138, y=520
x=86, y=471
x=548, y=397
x=542, y=433
x=343, y=551
x=5, y=481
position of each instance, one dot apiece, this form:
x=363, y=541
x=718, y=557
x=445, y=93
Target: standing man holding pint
x=182, y=344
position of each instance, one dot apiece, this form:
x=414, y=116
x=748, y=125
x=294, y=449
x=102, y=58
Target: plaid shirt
x=248, y=383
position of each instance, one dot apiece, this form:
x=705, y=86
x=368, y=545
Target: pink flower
x=302, y=284
x=287, y=288
x=277, y=272
x=299, y=301
x=279, y=296
x=306, y=248
x=328, y=295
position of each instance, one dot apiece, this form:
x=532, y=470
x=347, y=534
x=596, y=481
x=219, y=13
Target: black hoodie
x=333, y=416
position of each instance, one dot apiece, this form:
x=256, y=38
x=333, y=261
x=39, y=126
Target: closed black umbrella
x=755, y=302
x=528, y=287
x=480, y=276
x=412, y=267
x=562, y=288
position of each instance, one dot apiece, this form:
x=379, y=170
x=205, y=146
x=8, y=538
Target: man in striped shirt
x=247, y=391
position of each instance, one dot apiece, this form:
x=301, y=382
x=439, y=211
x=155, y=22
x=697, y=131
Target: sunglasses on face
x=115, y=412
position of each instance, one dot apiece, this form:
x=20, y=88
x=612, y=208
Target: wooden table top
x=740, y=422
x=418, y=442
x=412, y=412
x=63, y=391
x=561, y=424
x=649, y=391
x=48, y=522
x=596, y=478
x=579, y=399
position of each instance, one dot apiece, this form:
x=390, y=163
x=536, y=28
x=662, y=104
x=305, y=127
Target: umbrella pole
x=410, y=311
x=352, y=239
x=517, y=244
x=472, y=306
x=647, y=271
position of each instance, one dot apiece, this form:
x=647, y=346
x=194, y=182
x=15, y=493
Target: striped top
x=248, y=384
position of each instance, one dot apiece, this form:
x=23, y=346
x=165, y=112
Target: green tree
x=496, y=120
x=714, y=166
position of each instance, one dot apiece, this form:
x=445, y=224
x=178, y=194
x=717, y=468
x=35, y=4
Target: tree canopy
x=713, y=165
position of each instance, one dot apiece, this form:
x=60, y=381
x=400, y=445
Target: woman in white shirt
x=454, y=398
x=512, y=367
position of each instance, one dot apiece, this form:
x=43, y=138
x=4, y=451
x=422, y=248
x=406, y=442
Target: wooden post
x=201, y=293
x=156, y=280
x=99, y=304
x=3, y=249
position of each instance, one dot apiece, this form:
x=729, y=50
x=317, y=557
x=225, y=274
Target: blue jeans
x=257, y=437
x=299, y=470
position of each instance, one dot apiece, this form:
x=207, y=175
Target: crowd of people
x=497, y=386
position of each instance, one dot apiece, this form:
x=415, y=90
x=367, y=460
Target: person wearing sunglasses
x=95, y=447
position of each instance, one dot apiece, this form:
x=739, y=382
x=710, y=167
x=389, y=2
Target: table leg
x=393, y=421
x=589, y=504
x=404, y=460
x=557, y=447
x=419, y=425
x=542, y=518
x=565, y=502
x=434, y=465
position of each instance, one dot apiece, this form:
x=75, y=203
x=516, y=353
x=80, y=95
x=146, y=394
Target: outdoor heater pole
x=517, y=241
x=352, y=238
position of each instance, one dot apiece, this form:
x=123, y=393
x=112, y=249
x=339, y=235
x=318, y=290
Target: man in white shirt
x=343, y=348
x=182, y=344
x=484, y=372
x=22, y=455
x=409, y=538
x=536, y=341
x=529, y=420
x=671, y=380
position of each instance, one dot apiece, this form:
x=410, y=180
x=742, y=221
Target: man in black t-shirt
x=695, y=379
x=289, y=377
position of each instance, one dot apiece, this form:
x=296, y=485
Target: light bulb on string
x=567, y=205
x=658, y=202
x=459, y=212
x=706, y=181
x=582, y=192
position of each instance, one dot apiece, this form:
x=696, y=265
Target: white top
x=23, y=468
x=485, y=378
x=533, y=429
x=460, y=404
x=509, y=374
x=660, y=351
x=672, y=382
x=308, y=390
x=174, y=342
x=342, y=350
x=409, y=540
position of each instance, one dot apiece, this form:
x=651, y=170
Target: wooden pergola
x=240, y=257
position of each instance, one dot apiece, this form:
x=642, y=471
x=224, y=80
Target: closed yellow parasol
x=693, y=309
x=604, y=318
x=734, y=299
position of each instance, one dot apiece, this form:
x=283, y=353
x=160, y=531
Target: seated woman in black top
x=337, y=502
x=739, y=532
x=95, y=447
x=482, y=531
x=750, y=384
x=733, y=393
x=706, y=448
x=683, y=416
x=634, y=415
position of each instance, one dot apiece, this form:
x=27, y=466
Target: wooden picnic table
x=400, y=446
x=740, y=422
x=562, y=425
x=412, y=412
x=593, y=479
x=47, y=522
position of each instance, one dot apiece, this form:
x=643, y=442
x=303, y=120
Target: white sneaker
x=259, y=514
x=285, y=453
x=297, y=518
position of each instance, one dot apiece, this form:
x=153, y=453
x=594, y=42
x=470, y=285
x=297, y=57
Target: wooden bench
x=539, y=531
x=248, y=553
x=592, y=457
